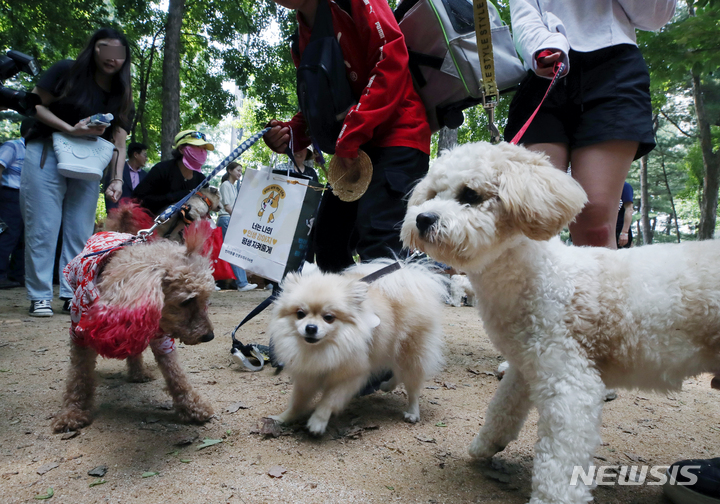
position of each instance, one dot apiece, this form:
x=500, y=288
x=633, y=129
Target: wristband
x=121, y=180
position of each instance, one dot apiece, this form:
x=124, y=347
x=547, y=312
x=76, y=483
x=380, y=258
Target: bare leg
x=137, y=372
x=79, y=392
x=332, y=401
x=559, y=154
x=601, y=170
x=303, y=392
x=504, y=417
x=189, y=405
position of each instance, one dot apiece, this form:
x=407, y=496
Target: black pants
x=371, y=225
x=12, y=242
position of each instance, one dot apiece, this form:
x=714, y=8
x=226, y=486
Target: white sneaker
x=41, y=308
x=247, y=287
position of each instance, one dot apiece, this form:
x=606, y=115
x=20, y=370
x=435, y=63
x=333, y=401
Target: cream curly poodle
x=570, y=320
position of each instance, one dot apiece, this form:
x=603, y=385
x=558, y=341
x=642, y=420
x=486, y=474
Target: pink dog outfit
x=111, y=331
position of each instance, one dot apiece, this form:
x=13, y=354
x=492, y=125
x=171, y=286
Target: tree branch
x=677, y=125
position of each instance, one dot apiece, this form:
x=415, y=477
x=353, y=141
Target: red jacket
x=389, y=112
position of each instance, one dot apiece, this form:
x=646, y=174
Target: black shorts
x=605, y=96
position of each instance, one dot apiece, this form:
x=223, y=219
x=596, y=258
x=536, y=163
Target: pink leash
x=558, y=69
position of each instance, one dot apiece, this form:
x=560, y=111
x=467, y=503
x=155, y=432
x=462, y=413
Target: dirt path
x=368, y=454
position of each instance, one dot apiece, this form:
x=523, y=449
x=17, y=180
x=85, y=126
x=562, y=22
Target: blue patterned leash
x=168, y=212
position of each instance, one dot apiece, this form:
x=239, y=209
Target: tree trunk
x=711, y=166
x=145, y=71
x=171, y=77
x=447, y=138
x=645, y=202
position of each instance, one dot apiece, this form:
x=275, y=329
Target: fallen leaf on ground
x=270, y=427
x=277, y=471
x=47, y=467
x=426, y=440
x=441, y=424
x=69, y=435
x=209, y=442
x=449, y=386
x=47, y=495
x=150, y=474
x=236, y=406
x=97, y=482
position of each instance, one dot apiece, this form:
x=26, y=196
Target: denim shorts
x=605, y=96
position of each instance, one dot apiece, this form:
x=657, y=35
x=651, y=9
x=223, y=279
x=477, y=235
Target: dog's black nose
x=311, y=329
x=207, y=337
x=425, y=221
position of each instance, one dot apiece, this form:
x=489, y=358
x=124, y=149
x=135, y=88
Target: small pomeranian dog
x=336, y=331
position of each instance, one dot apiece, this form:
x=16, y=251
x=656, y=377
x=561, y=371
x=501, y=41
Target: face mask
x=194, y=157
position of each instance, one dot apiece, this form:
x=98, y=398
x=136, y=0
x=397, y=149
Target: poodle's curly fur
x=570, y=320
x=178, y=280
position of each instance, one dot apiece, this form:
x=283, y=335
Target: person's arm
x=648, y=16
x=533, y=32
x=44, y=115
x=117, y=164
x=226, y=195
x=387, y=55
x=7, y=156
x=627, y=222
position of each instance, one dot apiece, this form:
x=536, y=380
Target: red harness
x=113, y=332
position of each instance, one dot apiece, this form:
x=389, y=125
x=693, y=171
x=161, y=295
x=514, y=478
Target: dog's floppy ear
x=539, y=198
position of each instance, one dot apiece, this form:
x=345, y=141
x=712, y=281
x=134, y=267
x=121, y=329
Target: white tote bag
x=269, y=229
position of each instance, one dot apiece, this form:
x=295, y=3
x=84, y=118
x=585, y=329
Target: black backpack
x=324, y=93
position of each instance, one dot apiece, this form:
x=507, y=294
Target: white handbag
x=82, y=157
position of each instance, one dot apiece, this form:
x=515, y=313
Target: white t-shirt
x=228, y=195
x=583, y=25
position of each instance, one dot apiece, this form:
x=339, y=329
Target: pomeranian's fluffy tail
x=129, y=217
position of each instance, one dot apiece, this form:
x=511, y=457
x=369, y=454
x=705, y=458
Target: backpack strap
x=323, y=26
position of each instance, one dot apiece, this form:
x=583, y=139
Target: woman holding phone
x=97, y=82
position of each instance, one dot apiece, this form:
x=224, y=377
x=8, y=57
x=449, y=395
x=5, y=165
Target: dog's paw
x=281, y=418
x=198, y=413
x=411, y=417
x=481, y=449
x=71, y=420
x=317, y=426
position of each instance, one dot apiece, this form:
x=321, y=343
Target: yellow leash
x=483, y=33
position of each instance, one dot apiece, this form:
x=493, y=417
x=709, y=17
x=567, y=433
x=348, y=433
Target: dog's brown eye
x=329, y=318
x=300, y=314
x=470, y=197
